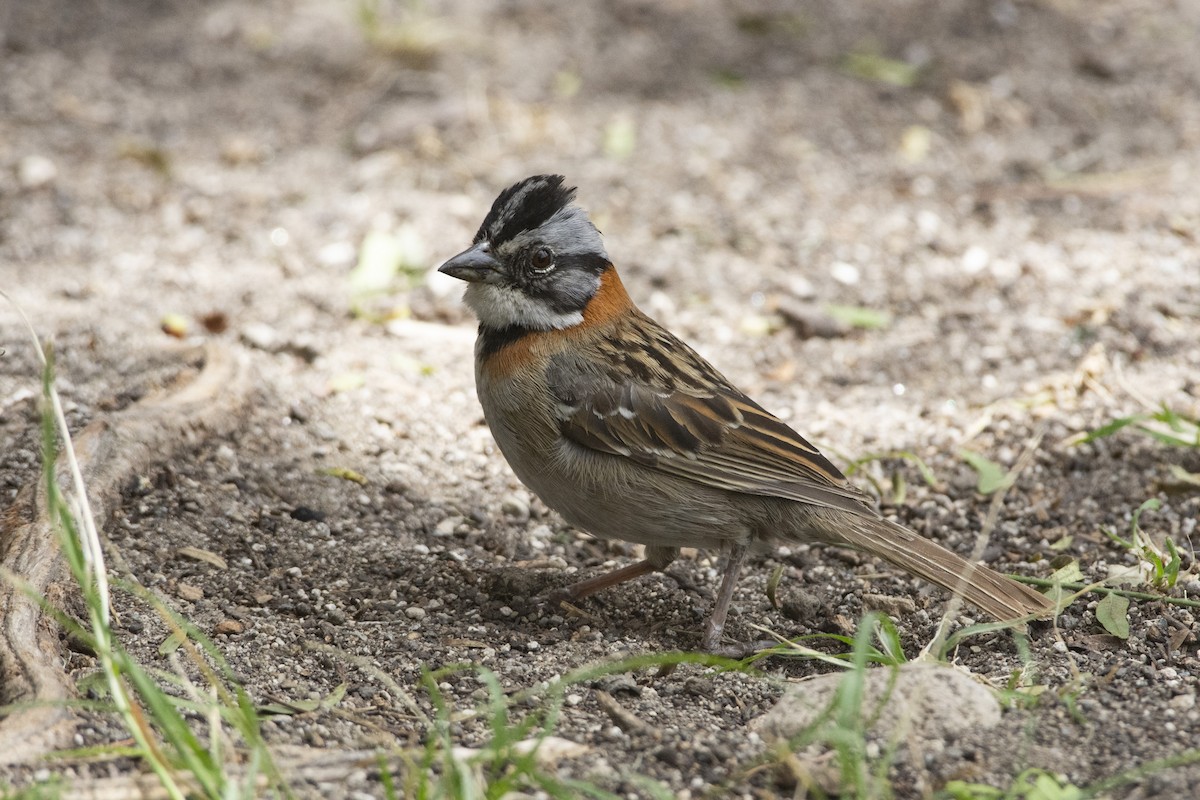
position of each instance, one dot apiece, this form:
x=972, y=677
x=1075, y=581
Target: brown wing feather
x=681, y=416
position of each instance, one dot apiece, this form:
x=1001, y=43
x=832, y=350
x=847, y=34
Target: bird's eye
x=543, y=259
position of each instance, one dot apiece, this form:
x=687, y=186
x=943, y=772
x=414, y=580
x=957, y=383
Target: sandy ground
x=1025, y=213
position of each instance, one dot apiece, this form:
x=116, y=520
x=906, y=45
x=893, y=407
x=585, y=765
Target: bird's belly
x=609, y=496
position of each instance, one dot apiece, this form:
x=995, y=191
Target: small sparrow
x=629, y=434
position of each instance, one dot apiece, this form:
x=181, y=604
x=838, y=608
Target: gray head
x=536, y=260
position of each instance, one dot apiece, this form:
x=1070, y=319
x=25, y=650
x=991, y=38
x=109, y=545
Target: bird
x=629, y=434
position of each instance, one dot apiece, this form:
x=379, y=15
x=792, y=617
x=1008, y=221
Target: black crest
x=524, y=206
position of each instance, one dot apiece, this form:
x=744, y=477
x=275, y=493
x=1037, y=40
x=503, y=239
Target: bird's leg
x=734, y=557
x=657, y=559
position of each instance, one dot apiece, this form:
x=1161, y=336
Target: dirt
x=1025, y=213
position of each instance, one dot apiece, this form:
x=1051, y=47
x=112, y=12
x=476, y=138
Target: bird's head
x=536, y=261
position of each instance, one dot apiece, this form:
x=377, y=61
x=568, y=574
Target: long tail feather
x=1001, y=597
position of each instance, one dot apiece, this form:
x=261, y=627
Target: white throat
x=503, y=307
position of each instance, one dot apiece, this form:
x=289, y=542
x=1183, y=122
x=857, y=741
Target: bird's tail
x=1001, y=597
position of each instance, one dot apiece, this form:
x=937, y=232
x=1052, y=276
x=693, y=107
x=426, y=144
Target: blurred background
x=746, y=159
x=909, y=227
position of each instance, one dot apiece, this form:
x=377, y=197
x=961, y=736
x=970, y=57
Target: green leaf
x=1109, y=429
x=620, y=138
x=1153, y=504
x=1171, y=569
x=992, y=476
x=859, y=317
x=378, y=264
x=1115, y=537
x=874, y=67
x=1063, y=543
x=961, y=790
x=773, y=585
x=290, y=708
x=1071, y=573
x=334, y=698
x=1113, y=613
x=383, y=256
x=1047, y=787
x=345, y=473
x=1165, y=426
x=1183, y=476
x=170, y=645
x=907, y=455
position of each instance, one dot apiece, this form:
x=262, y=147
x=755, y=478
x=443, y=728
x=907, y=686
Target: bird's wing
x=657, y=402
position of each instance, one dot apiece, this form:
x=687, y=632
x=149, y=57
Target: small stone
x=809, y=320
x=975, y=259
x=415, y=612
x=515, y=506
x=1182, y=702
x=532, y=645
x=34, y=172
x=843, y=272
x=447, y=526
x=337, y=254
x=242, y=150
x=261, y=336
x=228, y=626
x=189, y=592
x=919, y=699
x=262, y=598
x=226, y=457
x=306, y=514
x=574, y=699
x=892, y=606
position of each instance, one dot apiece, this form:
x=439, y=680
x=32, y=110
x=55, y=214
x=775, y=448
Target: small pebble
x=843, y=272
x=261, y=336
x=228, y=626
x=447, y=526
x=515, y=506
x=1182, y=702
x=189, y=592
x=415, y=612
x=34, y=172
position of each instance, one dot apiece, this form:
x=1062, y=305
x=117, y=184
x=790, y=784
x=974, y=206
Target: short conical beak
x=473, y=265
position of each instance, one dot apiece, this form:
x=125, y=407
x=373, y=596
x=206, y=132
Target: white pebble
x=446, y=527
x=846, y=273
x=975, y=259
x=34, y=172
x=516, y=506
x=415, y=612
